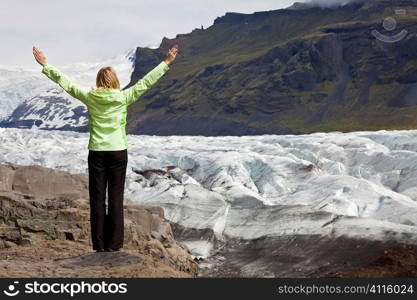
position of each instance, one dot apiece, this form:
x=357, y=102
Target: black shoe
x=100, y=250
x=111, y=250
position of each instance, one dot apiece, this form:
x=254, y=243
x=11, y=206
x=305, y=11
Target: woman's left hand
x=39, y=56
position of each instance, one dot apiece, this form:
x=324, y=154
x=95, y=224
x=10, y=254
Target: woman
x=107, y=157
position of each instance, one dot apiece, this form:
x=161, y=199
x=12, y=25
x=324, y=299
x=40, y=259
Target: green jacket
x=107, y=108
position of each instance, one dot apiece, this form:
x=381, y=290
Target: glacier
x=268, y=205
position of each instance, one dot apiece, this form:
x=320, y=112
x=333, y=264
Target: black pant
x=107, y=168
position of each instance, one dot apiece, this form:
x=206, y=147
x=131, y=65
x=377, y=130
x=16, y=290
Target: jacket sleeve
x=134, y=92
x=66, y=83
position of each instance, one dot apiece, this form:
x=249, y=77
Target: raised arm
x=57, y=76
x=139, y=88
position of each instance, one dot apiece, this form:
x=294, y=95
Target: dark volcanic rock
x=398, y=261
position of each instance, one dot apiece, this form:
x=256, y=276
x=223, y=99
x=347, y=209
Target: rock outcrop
x=45, y=231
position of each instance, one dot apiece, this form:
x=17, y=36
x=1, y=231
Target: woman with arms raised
x=107, y=157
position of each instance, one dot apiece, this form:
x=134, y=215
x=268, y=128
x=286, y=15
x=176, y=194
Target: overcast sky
x=82, y=30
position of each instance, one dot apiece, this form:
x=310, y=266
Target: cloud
x=84, y=30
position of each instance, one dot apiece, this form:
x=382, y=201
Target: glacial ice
x=359, y=184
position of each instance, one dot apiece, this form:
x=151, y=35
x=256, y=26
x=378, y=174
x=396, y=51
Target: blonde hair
x=107, y=79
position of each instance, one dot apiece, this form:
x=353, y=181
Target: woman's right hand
x=171, y=55
x=39, y=56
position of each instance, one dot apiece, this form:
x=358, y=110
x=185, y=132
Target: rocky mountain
x=292, y=70
x=45, y=231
